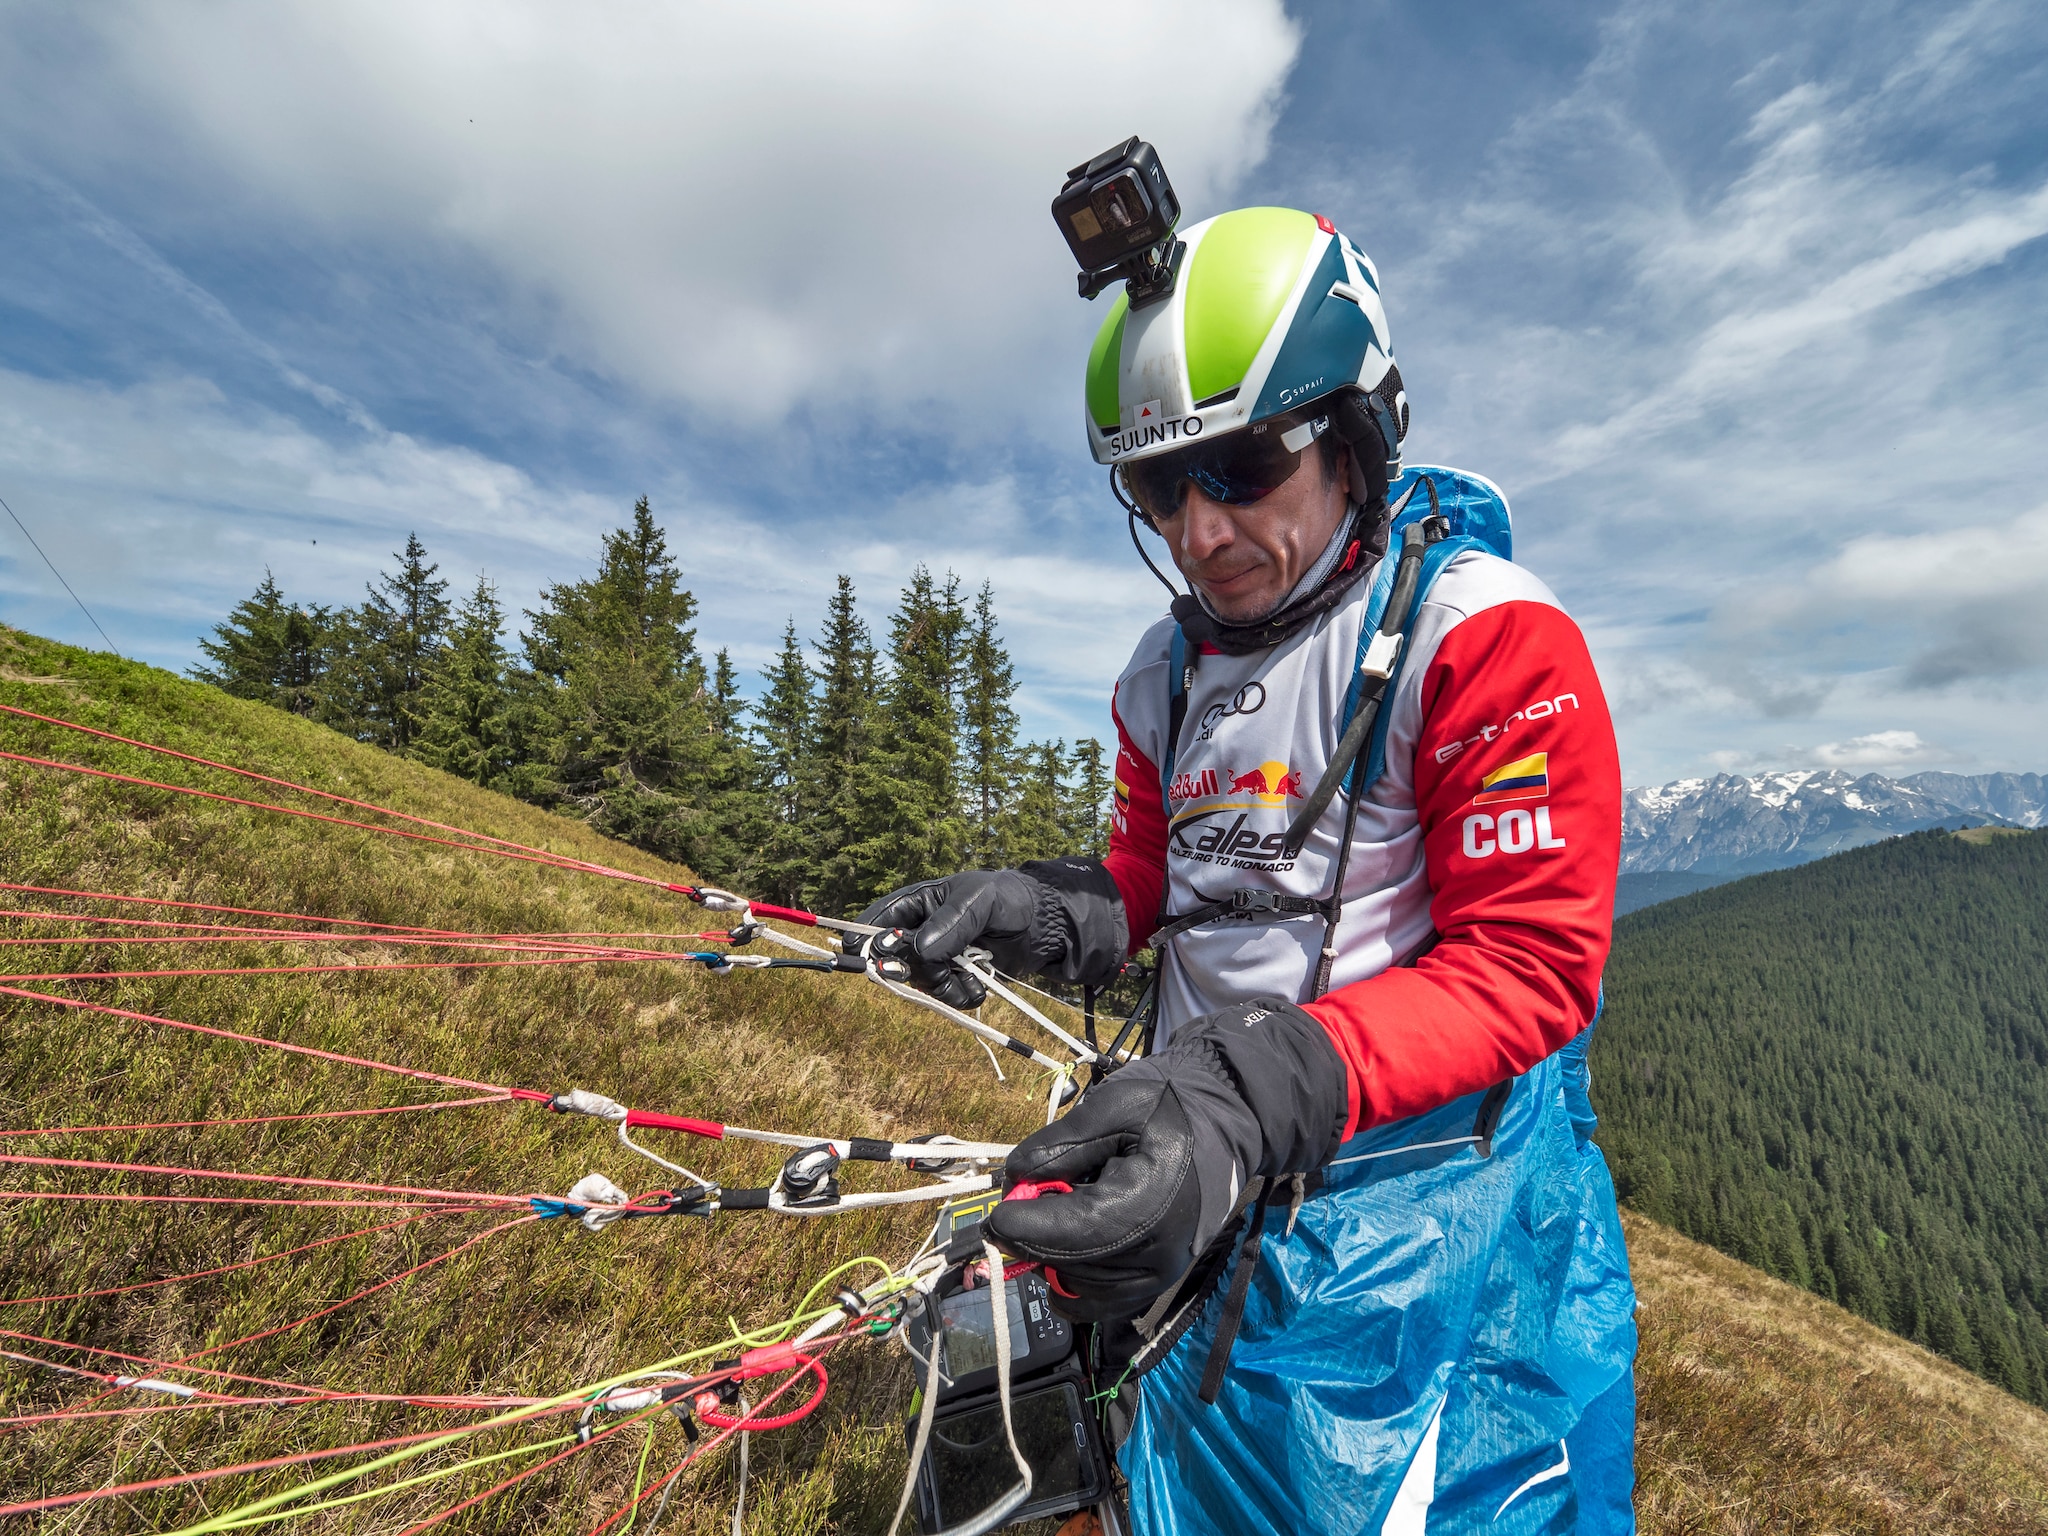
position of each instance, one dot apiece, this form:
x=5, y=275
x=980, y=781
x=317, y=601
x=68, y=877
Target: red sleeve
x=1137, y=837
x=1518, y=786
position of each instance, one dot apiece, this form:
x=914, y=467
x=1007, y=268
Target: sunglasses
x=1236, y=469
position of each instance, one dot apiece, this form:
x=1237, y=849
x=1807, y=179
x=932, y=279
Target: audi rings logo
x=1248, y=700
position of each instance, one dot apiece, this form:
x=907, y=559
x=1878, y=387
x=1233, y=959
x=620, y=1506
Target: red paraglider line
x=474, y=1198
x=549, y=860
x=563, y=860
x=279, y=1045
x=312, y=1114
x=332, y=970
x=225, y=1269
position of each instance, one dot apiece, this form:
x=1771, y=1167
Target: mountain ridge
x=1725, y=826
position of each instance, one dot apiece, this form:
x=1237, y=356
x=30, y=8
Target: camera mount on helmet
x=1117, y=213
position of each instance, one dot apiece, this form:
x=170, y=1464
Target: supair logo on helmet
x=1306, y=391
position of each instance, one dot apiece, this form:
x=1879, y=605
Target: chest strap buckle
x=1252, y=905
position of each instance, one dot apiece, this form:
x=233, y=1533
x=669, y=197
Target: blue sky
x=1745, y=306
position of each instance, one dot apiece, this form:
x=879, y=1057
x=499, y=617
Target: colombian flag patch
x=1527, y=778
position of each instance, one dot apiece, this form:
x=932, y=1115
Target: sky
x=1744, y=306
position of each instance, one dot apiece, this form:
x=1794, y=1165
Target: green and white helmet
x=1274, y=310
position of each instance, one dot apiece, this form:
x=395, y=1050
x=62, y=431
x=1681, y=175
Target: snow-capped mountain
x=2018, y=798
x=1728, y=825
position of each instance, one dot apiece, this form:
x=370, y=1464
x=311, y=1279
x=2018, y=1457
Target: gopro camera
x=967, y=1464
x=1117, y=213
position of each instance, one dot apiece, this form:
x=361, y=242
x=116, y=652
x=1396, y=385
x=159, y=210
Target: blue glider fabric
x=1445, y=1343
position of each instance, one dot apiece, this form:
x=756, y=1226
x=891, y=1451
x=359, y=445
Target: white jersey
x=1258, y=731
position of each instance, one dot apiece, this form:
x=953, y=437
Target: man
x=1344, y=1223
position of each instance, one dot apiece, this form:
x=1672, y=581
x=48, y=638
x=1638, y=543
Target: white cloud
x=1880, y=749
x=1887, y=752
x=1744, y=308
x=164, y=502
x=747, y=208
x=1972, y=598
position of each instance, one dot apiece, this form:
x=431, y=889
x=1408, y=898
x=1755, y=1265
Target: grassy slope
x=1763, y=1408
x=1767, y=1409
x=536, y=1309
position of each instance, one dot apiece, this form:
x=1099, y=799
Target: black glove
x=1159, y=1151
x=1061, y=918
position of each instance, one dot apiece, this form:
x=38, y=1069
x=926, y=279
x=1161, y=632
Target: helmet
x=1274, y=310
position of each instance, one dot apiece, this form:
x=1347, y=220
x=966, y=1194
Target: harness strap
x=1244, y=904
x=1181, y=676
x=1369, y=681
x=1233, y=1305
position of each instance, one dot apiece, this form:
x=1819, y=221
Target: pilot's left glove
x=1062, y=918
x=1159, y=1152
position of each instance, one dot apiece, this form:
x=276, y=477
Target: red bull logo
x=1269, y=784
x=1193, y=786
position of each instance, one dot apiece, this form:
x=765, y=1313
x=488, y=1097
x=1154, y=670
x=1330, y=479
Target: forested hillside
x=855, y=765
x=1839, y=1073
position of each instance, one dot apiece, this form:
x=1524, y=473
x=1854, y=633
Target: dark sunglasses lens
x=1158, y=486
x=1235, y=470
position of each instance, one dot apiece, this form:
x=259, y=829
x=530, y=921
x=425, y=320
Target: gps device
x=967, y=1464
x=1039, y=1337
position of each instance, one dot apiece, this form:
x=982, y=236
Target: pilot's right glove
x=1062, y=918
x=1159, y=1152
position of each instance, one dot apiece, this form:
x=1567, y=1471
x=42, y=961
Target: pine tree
x=628, y=739
x=464, y=714
x=384, y=651
x=907, y=790
x=731, y=839
x=1085, y=816
x=270, y=650
x=988, y=747
x=1039, y=825
x=725, y=706
x=839, y=741
x=783, y=737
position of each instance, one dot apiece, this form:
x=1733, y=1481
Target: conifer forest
x=864, y=762
x=1839, y=1073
